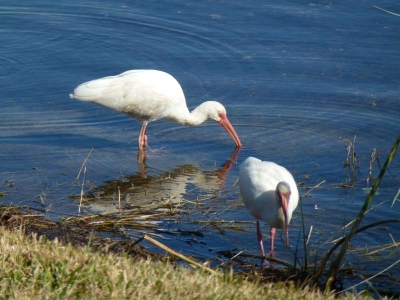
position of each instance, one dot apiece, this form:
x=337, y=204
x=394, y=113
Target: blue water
x=294, y=77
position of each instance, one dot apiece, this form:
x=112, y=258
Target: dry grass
x=37, y=268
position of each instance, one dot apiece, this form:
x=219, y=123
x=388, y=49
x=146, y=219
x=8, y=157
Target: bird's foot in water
x=157, y=151
x=141, y=156
x=265, y=263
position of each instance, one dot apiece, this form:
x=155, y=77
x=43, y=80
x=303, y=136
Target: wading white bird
x=270, y=194
x=150, y=95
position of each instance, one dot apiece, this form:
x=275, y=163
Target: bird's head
x=215, y=111
x=284, y=192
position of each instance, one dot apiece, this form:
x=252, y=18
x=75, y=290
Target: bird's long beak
x=229, y=128
x=284, y=197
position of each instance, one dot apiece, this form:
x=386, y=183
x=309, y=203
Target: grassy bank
x=34, y=268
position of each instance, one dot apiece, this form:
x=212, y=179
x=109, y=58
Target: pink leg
x=260, y=242
x=272, y=253
x=142, y=140
x=272, y=233
x=145, y=140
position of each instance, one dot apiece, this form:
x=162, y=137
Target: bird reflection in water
x=142, y=190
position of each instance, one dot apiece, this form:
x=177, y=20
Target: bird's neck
x=193, y=118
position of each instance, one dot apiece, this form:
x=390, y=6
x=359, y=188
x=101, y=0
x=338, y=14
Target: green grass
x=37, y=268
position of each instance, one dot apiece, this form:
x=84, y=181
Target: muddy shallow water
x=294, y=77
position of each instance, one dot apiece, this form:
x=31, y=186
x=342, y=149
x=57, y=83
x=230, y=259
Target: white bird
x=270, y=194
x=150, y=95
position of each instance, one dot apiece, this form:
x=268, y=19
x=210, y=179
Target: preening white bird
x=270, y=194
x=150, y=95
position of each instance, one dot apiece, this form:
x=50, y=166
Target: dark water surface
x=294, y=76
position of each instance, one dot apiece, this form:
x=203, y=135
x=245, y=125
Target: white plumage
x=150, y=95
x=270, y=194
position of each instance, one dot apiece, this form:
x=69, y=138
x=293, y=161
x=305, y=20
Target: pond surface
x=294, y=76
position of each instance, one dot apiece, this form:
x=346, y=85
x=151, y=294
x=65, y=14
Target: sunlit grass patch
x=37, y=268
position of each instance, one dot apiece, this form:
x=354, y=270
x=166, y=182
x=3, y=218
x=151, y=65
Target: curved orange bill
x=284, y=197
x=229, y=128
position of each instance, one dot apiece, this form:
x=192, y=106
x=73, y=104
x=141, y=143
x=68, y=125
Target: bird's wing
x=143, y=94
